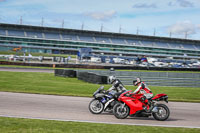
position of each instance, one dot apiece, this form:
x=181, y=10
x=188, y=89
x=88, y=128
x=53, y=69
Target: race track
x=66, y=108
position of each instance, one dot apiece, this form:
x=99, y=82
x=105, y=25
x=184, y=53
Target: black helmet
x=137, y=81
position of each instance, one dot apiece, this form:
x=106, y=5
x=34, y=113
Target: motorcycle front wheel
x=162, y=113
x=120, y=111
x=95, y=106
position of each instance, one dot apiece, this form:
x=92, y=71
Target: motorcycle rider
x=116, y=85
x=143, y=89
x=116, y=89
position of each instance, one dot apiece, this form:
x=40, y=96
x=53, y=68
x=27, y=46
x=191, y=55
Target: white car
x=118, y=60
x=160, y=64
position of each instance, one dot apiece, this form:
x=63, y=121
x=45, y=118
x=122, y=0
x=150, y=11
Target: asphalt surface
x=66, y=108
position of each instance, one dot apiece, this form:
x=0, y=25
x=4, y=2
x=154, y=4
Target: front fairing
x=134, y=104
x=98, y=90
x=99, y=95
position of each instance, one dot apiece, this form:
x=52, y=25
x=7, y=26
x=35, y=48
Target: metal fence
x=154, y=78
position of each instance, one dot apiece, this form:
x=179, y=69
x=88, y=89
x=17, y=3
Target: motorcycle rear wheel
x=120, y=112
x=163, y=112
x=96, y=107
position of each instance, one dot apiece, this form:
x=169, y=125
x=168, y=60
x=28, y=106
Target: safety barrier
x=126, y=77
x=65, y=73
x=92, y=78
x=85, y=76
x=183, y=79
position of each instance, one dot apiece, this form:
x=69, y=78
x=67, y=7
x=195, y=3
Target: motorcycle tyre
x=116, y=114
x=92, y=110
x=167, y=113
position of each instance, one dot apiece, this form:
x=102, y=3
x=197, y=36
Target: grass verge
x=47, y=83
x=19, y=125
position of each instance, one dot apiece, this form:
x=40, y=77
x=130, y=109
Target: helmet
x=137, y=81
x=111, y=79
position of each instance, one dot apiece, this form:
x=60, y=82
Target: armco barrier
x=151, y=78
x=184, y=79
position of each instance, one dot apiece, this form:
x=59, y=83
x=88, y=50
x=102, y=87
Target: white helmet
x=137, y=81
x=111, y=79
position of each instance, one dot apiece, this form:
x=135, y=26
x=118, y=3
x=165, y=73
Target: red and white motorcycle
x=131, y=104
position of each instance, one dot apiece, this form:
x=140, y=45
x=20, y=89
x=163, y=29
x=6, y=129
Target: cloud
x=181, y=3
x=101, y=15
x=198, y=26
x=185, y=3
x=143, y=5
x=181, y=28
x=171, y=4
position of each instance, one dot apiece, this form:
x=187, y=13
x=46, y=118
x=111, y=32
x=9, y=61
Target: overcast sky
x=146, y=17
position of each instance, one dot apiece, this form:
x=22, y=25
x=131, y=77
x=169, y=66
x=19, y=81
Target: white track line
x=39, y=118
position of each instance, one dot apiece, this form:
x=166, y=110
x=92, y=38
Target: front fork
x=123, y=105
x=154, y=108
x=151, y=107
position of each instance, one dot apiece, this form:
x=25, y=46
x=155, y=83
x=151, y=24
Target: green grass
x=180, y=94
x=47, y=83
x=44, y=83
x=17, y=125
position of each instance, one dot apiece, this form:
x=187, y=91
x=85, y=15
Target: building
x=70, y=41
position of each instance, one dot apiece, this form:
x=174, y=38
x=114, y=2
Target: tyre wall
x=85, y=76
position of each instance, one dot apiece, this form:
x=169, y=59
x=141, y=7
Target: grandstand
x=70, y=41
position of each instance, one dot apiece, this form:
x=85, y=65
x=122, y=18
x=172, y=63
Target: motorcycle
x=103, y=101
x=131, y=104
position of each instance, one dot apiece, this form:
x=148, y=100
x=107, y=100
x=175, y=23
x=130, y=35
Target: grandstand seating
x=102, y=39
x=2, y=32
x=34, y=34
x=175, y=45
x=118, y=40
x=55, y=39
x=147, y=43
x=86, y=38
x=161, y=45
x=188, y=46
x=49, y=35
x=69, y=37
x=133, y=42
x=16, y=33
x=198, y=47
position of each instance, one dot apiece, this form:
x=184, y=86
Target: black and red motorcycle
x=131, y=104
